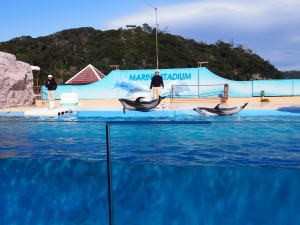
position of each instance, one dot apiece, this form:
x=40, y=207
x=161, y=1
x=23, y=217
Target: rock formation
x=16, y=82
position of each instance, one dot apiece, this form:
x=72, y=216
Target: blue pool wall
x=41, y=191
x=185, y=81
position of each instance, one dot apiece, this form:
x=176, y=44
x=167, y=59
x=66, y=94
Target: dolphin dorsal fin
x=139, y=99
x=218, y=106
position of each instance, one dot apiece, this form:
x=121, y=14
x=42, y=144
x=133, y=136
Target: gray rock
x=16, y=82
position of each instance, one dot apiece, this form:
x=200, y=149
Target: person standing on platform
x=51, y=86
x=156, y=84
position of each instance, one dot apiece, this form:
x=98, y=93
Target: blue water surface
x=243, y=169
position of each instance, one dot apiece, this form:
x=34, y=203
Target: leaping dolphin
x=140, y=105
x=220, y=110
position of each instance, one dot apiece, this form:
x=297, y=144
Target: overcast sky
x=268, y=27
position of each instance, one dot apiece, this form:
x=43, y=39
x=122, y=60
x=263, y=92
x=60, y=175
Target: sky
x=270, y=28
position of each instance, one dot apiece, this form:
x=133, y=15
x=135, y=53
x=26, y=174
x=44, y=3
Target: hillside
x=66, y=52
x=293, y=74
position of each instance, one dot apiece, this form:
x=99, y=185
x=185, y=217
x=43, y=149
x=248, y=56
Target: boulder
x=16, y=82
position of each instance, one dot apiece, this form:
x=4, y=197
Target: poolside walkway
x=177, y=104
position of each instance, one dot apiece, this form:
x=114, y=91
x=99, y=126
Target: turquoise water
x=234, y=170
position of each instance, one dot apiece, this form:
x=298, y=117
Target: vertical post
x=198, y=83
x=108, y=163
x=37, y=79
x=199, y=65
x=262, y=94
x=38, y=89
x=156, y=43
x=225, y=97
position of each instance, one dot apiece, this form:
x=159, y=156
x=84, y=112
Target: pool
x=243, y=169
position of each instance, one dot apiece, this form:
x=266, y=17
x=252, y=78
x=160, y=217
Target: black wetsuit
x=156, y=81
x=51, y=85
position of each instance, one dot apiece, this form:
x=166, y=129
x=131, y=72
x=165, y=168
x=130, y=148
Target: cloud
x=295, y=39
x=268, y=27
x=284, y=59
x=254, y=15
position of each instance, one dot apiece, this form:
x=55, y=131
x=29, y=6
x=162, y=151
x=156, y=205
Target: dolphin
x=140, y=105
x=218, y=110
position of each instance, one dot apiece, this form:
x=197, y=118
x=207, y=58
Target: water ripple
x=234, y=141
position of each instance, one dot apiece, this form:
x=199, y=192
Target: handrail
x=137, y=122
x=37, y=90
x=223, y=94
x=44, y=93
x=195, y=85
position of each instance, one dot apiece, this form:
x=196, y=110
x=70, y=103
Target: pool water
x=229, y=170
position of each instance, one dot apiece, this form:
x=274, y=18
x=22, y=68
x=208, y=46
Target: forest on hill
x=65, y=53
x=293, y=74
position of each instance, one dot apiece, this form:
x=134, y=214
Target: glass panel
x=52, y=172
x=228, y=172
x=222, y=170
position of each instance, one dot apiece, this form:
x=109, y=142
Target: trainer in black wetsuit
x=51, y=86
x=156, y=83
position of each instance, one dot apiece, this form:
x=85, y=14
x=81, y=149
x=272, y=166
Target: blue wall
x=135, y=83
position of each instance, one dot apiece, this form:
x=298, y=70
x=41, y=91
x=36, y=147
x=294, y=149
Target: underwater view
x=220, y=170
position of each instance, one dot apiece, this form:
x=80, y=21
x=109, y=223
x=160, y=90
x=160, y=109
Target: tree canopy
x=67, y=52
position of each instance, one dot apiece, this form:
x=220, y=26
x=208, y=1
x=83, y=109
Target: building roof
x=87, y=75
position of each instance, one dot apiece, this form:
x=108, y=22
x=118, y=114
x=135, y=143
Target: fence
x=200, y=91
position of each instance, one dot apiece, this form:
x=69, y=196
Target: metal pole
x=37, y=79
x=198, y=83
x=108, y=163
x=156, y=38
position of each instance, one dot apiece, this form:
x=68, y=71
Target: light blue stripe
x=12, y=114
x=164, y=114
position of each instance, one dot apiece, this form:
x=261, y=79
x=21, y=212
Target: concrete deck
x=177, y=104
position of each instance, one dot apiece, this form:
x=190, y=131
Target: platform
x=45, y=112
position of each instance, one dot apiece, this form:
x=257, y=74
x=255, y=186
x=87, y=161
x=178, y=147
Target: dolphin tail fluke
x=161, y=97
x=245, y=105
x=124, y=110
